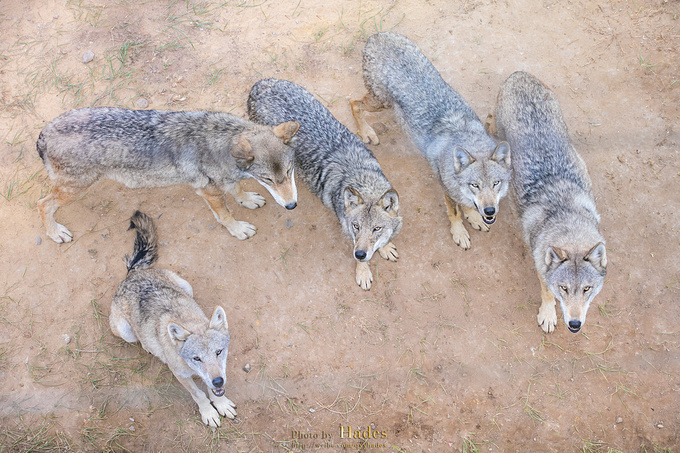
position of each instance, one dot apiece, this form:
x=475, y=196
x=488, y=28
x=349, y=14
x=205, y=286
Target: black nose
x=360, y=254
x=218, y=382
x=489, y=211
x=291, y=205
x=575, y=326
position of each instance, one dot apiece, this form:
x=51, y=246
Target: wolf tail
x=145, y=251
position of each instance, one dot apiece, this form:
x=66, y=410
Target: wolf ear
x=218, y=321
x=177, y=332
x=241, y=150
x=554, y=256
x=287, y=130
x=390, y=202
x=597, y=256
x=502, y=154
x=352, y=198
x=461, y=159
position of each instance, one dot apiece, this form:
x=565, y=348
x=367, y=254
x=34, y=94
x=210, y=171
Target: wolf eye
x=496, y=182
x=197, y=359
x=564, y=288
x=218, y=352
x=586, y=288
x=376, y=229
x=268, y=180
x=355, y=225
x=475, y=185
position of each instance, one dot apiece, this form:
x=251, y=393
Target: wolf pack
x=527, y=152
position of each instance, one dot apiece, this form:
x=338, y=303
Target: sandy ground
x=443, y=354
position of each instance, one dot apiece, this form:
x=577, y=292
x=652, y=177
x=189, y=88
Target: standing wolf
x=553, y=193
x=337, y=167
x=210, y=151
x=473, y=169
x=156, y=308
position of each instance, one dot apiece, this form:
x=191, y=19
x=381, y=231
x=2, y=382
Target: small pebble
x=312, y=410
x=66, y=338
x=142, y=103
x=132, y=429
x=660, y=425
x=88, y=57
x=619, y=420
x=38, y=240
x=56, y=16
x=246, y=368
x=289, y=223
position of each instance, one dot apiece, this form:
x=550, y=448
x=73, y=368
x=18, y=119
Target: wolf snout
x=218, y=382
x=574, y=325
x=489, y=215
x=291, y=205
x=360, y=255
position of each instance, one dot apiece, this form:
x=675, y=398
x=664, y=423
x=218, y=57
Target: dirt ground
x=444, y=353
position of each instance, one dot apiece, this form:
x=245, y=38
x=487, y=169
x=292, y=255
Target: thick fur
x=210, y=151
x=473, y=169
x=156, y=308
x=554, y=198
x=337, y=167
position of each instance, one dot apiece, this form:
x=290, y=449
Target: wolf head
x=265, y=155
x=205, y=352
x=483, y=182
x=371, y=224
x=575, y=279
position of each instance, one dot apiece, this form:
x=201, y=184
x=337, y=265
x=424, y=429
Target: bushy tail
x=145, y=252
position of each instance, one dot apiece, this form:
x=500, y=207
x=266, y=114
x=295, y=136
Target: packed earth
x=444, y=352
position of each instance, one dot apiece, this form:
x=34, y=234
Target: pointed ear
x=390, y=202
x=352, y=198
x=555, y=256
x=461, y=159
x=597, y=256
x=287, y=130
x=177, y=332
x=502, y=154
x=218, y=321
x=241, y=150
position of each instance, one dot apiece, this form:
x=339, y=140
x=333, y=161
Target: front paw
x=364, y=277
x=460, y=235
x=60, y=234
x=241, y=230
x=389, y=252
x=251, y=200
x=225, y=407
x=547, y=317
x=476, y=221
x=210, y=416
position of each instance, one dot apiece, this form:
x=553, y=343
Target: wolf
x=337, y=167
x=553, y=194
x=473, y=169
x=156, y=308
x=210, y=151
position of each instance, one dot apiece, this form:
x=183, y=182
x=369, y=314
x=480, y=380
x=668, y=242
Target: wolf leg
x=475, y=218
x=209, y=414
x=48, y=205
x=389, y=252
x=364, y=277
x=215, y=199
x=366, y=104
x=181, y=283
x=250, y=200
x=119, y=325
x=224, y=405
x=458, y=231
x=547, y=316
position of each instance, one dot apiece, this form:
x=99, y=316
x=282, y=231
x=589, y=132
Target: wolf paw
x=225, y=407
x=364, y=277
x=241, y=230
x=210, y=416
x=251, y=200
x=389, y=252
x=370, y=137
x=460, y=235
x=60, y=234
x=476, y=221
x=547, y=318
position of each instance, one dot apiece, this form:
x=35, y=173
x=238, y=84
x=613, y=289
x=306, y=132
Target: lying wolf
x=337, y=167
x=473, y=169
x=553, y=194
x=210, y=151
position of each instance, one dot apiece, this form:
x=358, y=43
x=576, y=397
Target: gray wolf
x=210, y=151
x=473, y=169
x=337, y=167
x=553, y=194
x=156, y=308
